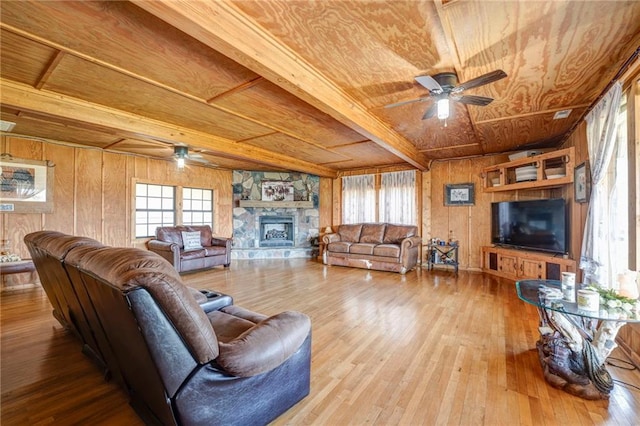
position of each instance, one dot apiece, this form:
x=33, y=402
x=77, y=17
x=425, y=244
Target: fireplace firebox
x=276, y=231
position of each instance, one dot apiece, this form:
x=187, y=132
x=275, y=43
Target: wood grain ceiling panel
x=43, y=127
x=432, y=133
x=368, y=48
x=124, y=36
x=556, y=54
x=523, y=132
x=267, y=103
x=363, y=154
x=296, y=148
x=23, y=60
x=93, y=83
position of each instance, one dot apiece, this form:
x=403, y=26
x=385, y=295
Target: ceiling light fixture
x=443, y=108
x=181, y=153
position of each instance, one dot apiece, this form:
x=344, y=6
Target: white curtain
x=595, y=259
x=398, y=197
x=358, y=199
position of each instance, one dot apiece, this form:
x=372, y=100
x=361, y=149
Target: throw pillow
x=191, y=241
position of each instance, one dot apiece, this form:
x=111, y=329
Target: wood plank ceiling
x=302, y=85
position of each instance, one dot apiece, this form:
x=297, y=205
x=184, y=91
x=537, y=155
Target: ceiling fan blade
x=431, y=111
x=407, y=102
x=473, y=100
x=481, y=81
x=429, y=82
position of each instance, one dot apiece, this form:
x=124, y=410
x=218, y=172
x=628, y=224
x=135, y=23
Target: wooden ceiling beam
x=24, y=97
x=224, y=28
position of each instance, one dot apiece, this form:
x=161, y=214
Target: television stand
x=517, y=264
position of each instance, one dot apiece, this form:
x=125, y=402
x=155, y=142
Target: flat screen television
x=532, y=225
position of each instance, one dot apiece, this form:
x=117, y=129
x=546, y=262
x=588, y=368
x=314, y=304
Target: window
x=155, y=206
x=396, y=198
x=197, y=206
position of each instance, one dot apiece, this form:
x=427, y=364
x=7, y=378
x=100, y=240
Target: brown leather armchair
x=171, y=244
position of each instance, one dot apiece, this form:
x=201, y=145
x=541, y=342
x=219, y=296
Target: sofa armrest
x=330, y=238
x=410, y=242
x=221, y=241
x=264, y=346
x=170, y=251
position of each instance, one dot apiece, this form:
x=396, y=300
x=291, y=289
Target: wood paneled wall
x=93, y=193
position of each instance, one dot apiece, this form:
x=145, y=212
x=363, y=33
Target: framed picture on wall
x=582, y=182
x=459, y=194
x=26, y=186
x=277, y=191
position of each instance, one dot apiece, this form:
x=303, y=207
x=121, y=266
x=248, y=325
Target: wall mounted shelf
x=552, y=169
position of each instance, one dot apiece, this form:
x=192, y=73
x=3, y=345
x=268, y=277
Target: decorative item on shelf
x=526, y=173
x=524, y=154
x=555, y=172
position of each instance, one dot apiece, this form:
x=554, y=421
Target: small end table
x=438, y=254
x=574, y=344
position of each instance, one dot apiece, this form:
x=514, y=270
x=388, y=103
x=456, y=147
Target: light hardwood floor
x=424, y=348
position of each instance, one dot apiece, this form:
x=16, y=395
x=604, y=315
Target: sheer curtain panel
x=358, y=199
x=598, y=236
x=398, y=197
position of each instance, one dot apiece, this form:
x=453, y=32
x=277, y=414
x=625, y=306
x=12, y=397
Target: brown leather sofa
x=170, y=244
x=379, y=246
x=179, y=362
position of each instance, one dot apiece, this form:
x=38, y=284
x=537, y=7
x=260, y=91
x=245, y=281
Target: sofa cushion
x=215, y=251
x=339, y=247
x=362, y=248
x=394, y=234
x=372, y=233
x=350, y=232
x=387, y=250
x=169, y=234
x=192, y=254
x=191, y=240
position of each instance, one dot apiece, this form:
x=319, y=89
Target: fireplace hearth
x=276, y=231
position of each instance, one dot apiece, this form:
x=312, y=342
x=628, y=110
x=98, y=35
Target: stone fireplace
x=276, y=231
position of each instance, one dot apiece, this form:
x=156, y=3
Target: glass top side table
x=574, y=343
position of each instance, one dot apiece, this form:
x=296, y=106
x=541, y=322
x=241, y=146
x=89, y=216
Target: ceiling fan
x=443, y=88
x=181, y=154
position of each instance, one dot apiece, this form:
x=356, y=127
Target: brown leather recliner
x=180, y=364
x=170, y=244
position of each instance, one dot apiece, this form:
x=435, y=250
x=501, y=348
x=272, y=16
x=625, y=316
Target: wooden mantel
x=277, y=204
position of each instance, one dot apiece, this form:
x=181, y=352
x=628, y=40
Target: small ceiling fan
x=181, y=154
x=443, y=88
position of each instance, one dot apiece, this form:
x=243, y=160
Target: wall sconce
x=181, y=153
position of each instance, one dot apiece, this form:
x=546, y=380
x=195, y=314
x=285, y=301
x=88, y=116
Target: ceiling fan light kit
x=443, y=108
x=181, y=153
x=444, y=87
